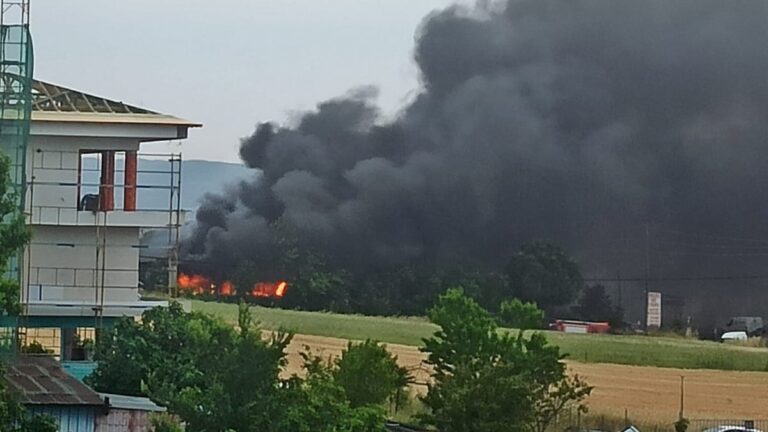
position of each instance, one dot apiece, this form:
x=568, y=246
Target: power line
x=716, y=237
x=712, y=246
x=720, y=254
x=677, y=278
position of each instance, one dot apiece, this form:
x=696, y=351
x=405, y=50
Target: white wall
x=62, y=264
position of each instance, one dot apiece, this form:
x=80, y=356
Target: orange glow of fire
x=226, y=289
x=198, y=285
x=269, y=289
x=280, y=290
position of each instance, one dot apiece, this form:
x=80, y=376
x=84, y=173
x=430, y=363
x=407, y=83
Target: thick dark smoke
x=578, y=121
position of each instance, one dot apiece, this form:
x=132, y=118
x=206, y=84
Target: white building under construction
x=84, y=183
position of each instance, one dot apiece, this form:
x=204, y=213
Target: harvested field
x=649, y=394
x=673, y=352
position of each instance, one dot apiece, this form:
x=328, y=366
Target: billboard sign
x=654, y=309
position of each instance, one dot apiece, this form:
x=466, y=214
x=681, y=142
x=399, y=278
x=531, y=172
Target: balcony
x=47, y=215
x=104, y=188
x=90, y=309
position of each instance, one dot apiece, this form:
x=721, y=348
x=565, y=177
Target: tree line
x=539, y=272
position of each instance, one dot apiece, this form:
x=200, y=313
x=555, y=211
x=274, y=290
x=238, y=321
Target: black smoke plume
x=583, y=122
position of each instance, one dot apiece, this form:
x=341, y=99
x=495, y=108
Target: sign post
x=653, y=318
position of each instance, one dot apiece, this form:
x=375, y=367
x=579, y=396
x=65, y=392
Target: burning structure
x=580, y=122
x=201, y=285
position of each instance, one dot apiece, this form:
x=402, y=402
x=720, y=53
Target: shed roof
x=135, y=403
x=51, y=102
x=397, y=427
x=41, y=380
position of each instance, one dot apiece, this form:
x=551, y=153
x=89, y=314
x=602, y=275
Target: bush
x=369, y=374
x=35, y=347
x=165, y=423
x=523, y=316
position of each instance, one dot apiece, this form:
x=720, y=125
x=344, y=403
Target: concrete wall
x=63, y=266
x=66, y=269
x=122, y=420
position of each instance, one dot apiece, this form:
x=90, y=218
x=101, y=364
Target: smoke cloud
x=580, y=122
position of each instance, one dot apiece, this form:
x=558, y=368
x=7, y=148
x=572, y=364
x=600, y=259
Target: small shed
x=126, y=414
x=43, y=387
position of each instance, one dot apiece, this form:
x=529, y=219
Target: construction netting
x=16, y=65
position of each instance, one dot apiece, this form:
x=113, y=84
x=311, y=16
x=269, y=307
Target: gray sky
x=228, y=63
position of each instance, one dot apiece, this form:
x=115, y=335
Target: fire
x=269, y=289
x=227, y=289
x=198, y=285
x=195, y=284
x=280, y=290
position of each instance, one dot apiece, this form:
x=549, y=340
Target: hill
x=198, y=177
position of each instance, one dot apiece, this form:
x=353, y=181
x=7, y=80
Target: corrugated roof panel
x=131, y=403
x=42, y=381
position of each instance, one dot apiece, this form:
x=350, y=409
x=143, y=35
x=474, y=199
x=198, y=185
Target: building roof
x=134, y=403
x=397, y=427
x=40, y=380
x=51, y=102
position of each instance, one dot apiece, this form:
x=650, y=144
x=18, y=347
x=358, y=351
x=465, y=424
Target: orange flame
x=226, y=289
x=198, y=285
x=281, y=287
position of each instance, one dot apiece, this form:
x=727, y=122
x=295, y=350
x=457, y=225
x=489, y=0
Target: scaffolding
x=16, y=65
x=141, y=191
x=15, y=97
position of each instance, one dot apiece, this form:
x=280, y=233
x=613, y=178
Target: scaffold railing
x=16, y=67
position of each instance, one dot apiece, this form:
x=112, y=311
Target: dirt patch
x=646, y=393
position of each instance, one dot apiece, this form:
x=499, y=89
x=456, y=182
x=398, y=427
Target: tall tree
x=489, y=381
x=595, y=305
x=543, y=273
x=13, y=236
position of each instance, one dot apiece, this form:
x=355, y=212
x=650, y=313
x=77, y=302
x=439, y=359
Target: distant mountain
x=198, y=177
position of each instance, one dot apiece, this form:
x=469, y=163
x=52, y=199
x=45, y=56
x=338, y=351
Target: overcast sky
x=228, y=63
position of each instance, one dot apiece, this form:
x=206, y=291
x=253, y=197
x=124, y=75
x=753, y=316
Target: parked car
x=733, y=336
x=752, y=325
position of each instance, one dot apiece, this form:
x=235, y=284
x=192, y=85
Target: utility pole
x=647, y=270
x=682, y=397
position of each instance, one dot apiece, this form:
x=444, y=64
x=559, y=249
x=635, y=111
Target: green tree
x=165, y=341
x=318, y=403
x=543, y=273
x=13, y=236
x=595, y=305
x=216, y=378
x=487, y=380
x=523, y=316
x=319, y=290
x=164, y=422
x=369, y=374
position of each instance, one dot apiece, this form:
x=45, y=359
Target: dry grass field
x=639, y=375
x=673, y=352
x=649, y=394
